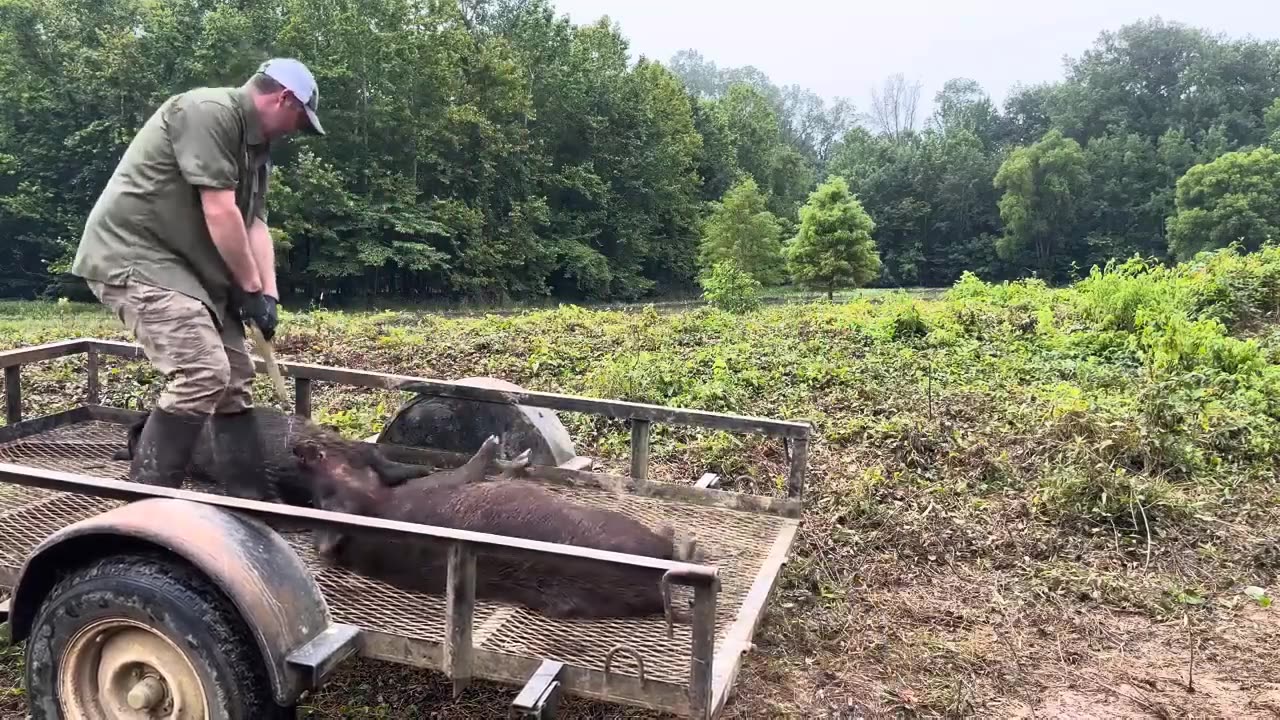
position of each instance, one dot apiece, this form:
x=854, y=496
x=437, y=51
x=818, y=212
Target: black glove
x=260, y=310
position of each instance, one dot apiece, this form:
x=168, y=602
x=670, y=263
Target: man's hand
x=261, y=310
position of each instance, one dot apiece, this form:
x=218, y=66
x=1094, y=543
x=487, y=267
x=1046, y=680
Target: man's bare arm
x=226, y=227
x=264, y=256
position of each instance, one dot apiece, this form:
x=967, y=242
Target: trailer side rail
x=795, y=435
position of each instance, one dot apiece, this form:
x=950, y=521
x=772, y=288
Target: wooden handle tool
x=273, y=370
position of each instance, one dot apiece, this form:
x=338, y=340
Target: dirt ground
x=1138, y=670
x=1106, y=665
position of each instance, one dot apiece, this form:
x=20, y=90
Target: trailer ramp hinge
x=317, y=659
x=540, y=696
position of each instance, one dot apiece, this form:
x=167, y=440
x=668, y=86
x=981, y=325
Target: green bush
x=1234, y=288
x=908, y=324
x=730, y=289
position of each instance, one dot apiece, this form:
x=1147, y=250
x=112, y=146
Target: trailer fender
x=263, y=577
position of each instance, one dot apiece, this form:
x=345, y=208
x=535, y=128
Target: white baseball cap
x=298, y=80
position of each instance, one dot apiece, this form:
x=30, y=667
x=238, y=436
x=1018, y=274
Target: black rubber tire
x=171, y=597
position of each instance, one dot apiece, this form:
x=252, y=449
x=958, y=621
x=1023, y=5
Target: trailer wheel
x=143, y=636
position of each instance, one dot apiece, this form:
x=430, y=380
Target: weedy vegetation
x=1020, y=497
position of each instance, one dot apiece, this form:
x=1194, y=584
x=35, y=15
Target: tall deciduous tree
x=834, y=247
x=1271, y=119
x=742, y=231
x=1235, y=198
x=1042, y=186
x=894, y=106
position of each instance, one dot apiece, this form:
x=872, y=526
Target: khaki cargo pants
x=208, y=371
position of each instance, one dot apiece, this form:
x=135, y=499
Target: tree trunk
x=831, y=292
x=1044, y=256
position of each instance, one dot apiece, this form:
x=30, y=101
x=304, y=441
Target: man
x=177, y=246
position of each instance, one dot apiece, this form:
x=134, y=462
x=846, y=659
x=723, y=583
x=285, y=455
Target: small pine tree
x=741, y=230
x=834, y=246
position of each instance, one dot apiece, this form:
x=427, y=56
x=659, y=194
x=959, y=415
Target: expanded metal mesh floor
x=737, y=542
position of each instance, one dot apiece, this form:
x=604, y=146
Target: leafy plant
x=1231, y=199
x=742, y=231
x=730, y=289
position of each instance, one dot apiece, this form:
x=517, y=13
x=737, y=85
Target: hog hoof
x=518, y=465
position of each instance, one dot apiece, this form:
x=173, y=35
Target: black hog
x=555, y=586
x=281, y=476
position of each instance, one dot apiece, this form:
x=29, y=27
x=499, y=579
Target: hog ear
x=308, y=452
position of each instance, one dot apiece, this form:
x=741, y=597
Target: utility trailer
x=74, y=530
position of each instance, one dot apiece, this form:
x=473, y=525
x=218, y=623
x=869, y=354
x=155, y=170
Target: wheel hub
x=120, y=669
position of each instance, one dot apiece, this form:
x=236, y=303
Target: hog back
x=555, y=586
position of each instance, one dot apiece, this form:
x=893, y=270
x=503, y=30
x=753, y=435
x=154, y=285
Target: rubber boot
x=164, y=448
x=238, y=456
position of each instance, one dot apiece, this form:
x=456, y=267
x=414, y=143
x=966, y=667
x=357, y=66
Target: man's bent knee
x=180, y=338
x=237, y=398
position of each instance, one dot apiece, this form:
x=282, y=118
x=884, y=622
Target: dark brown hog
x=281, y=478
x=555, y=586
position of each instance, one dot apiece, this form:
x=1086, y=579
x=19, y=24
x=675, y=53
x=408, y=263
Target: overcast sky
x=844, y=48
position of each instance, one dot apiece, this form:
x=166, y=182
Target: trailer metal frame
x=713, y=663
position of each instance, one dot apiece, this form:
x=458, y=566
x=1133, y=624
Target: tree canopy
x=1232, y=199
x=1041, y=184
x=492, y=149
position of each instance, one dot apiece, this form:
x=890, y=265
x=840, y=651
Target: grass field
x=1024, y=501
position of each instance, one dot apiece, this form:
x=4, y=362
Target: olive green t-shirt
x=148, y=225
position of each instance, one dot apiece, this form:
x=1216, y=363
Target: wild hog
x=281, y=478
x=558, y=587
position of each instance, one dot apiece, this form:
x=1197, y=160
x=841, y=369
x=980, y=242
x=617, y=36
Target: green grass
x=992, y=462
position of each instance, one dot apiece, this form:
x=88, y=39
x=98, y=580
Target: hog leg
x=512, y=468
x=394, y=473
x=131, y=440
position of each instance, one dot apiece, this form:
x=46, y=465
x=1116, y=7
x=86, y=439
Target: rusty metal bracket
x=608, y=661
x=667, y=611
x=318, y=658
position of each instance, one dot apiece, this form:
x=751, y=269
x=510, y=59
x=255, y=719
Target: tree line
x=492, y=149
